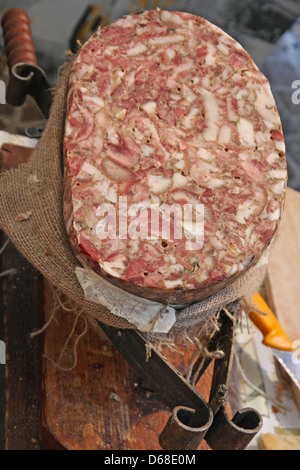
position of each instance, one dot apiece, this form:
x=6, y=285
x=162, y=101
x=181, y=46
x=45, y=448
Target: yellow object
x=267, y=323
x=279, y=442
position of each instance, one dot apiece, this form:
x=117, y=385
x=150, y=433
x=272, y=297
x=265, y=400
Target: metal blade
x=290, y=363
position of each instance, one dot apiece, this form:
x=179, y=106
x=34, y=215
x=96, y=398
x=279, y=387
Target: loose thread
x=63, y=305
x=201, y=349
x=11, y=271
x=56, y=364
x=149, y=348
x=4, y=246
x=54, y=308
x=8, y=272
x=69, y=337
x=195, y=376
x=58, y=303
x=229, y=315
x=191, y=365
x=218, y=354
x=38, y=332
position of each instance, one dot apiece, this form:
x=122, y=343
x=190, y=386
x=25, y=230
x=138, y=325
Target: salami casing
x=175, y=168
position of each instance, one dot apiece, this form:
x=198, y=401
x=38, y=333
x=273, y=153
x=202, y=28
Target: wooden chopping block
x=21, y=308
x=101, y=404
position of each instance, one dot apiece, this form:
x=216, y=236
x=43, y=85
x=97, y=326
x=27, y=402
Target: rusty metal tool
x=192, y=415
x=226, y=433
x=192, y=419
x=25, y=77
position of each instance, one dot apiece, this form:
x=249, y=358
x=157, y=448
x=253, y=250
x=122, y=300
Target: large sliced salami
x=168, y=119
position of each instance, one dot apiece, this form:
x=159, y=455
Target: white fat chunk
x=96, y=100
x=182, y=68
x=278, y=188
x=180, y=165
x=147, y=150
x=205, y=81
x=210, y=59
x=189, y=119
x=234, y=269
x=178, y=155
x=280, y=174
x=149, y=108
x=170, y=53
x=265, y=104
x=244, y=211
x=261, y=137
x=245, y=156
x=121, y=114
x=179, y=180
x=68, y=128
x=224, y=135
x=172, y=284
x=211, y=115
x=188, y=94
x=216, y=243
x=214, y=183
x=231, y=113
x=205, y=154
x=274, y=215
x=112, y=135
x=169, y=17
x=91, y=170
x=272, y=157
x=127, y=21
x=103, y=186
x=115, y=268
x=241, y=93
x=224, y=49
x=280, y=145
x=158, y=184
x=246, y=132
x=136, y=50
x=166, y=39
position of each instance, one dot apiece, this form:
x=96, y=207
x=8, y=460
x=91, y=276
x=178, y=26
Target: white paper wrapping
x=146, y=315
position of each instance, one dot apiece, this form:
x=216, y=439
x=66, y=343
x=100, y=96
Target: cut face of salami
x=175, y=169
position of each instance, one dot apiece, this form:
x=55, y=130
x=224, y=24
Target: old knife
x=276, y=338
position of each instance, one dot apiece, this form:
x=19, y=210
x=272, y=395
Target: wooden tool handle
x=17, y=37
x=267, y=323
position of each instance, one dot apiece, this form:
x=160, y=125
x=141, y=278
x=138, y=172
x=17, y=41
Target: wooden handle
x=267, y=323
x=17, y=37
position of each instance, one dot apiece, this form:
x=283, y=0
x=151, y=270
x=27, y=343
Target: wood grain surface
x=101, y=403
x=21, y=305
x=283, y=276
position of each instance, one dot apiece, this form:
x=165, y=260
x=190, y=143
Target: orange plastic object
x=267, y=323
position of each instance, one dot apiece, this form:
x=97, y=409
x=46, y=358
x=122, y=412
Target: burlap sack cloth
x=37, y=186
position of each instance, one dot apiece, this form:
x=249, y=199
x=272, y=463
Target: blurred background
x=268, y=29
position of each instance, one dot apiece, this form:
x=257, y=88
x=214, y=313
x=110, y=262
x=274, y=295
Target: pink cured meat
x=165, y=108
